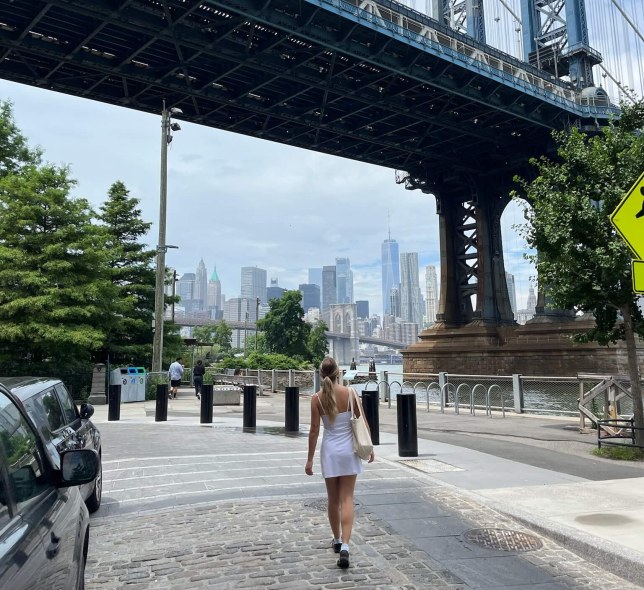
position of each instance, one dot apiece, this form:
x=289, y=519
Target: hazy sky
x=237, y=201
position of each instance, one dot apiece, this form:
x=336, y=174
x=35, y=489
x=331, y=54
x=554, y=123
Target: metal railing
x=617, y=431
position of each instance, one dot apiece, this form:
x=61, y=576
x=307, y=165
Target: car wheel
x=93, y=502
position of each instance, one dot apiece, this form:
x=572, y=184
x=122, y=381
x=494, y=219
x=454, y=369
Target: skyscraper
x=362, y=308
x=532, y=300
x=253, y=283
x=274, y=291
x=431, y=293
x=214, y=291
x=201, y=285
x=410, y=300
x=512, y=292
x=310, y=296
x=344, y=280
x=187, y=286
x=328, y=290
x=390, y=272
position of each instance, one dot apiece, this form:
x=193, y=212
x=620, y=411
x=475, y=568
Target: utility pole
x=159, y=294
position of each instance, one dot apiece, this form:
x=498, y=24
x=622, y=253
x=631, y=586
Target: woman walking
x=197, y=377
x=340, y=465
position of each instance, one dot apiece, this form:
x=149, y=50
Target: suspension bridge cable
x=627, y=19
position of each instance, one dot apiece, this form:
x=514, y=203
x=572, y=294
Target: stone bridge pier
x=343, y=321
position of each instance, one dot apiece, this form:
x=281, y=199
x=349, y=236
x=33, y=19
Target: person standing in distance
x=174, y=373
x=340, y=465
x=197, y=377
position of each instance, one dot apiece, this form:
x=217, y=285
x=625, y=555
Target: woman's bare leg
x=346, y=487
x=333, y=504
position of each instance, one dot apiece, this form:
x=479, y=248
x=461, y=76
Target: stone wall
x=534, y=349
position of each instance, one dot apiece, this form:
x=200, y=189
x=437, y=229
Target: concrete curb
x=614, y=558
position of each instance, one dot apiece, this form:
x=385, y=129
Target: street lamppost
x=256, y=321
x=245, y=331
x=167, y=127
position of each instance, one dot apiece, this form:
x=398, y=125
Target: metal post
x=157, y=345
x=407, y=426
x=206, y=404
x=174, y=291
x=371, y=407
x=114, y=403
x=517, y=391
x=161, y=410
x=316, y=380
x=292, y=409
x=250, y=407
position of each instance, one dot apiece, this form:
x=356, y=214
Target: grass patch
x=620, y=453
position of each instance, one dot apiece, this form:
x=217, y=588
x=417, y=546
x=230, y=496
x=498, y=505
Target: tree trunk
x=633, y=374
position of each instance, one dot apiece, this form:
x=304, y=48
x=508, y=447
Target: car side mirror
x=86, y=411
x=78, y=467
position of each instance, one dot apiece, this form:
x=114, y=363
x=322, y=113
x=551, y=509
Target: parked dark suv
x=61, y=425
x=44, y=523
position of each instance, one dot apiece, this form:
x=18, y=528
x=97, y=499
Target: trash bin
x=132, y=382
x=136, y=378
x=120, y=377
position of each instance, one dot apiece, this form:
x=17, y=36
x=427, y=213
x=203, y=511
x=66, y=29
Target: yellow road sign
x=628, y=218
x=638, y=275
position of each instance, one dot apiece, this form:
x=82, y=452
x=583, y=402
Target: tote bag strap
x=352, y=394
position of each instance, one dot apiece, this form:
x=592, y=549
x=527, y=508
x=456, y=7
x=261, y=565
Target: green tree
x=55, y=289
x=15, y=152
x=133, y=276
x=256, y=343
x=580, y=257
x=284, y=326
x=318, y=345
x=223, y=336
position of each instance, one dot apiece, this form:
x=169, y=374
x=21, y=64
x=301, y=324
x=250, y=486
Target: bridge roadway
x=251, y=327
x=368, y=80
x=195, y=506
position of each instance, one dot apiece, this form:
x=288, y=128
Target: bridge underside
x=284, y=70
x=312, y=75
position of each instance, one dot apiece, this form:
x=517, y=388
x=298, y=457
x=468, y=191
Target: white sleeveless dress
x=336, y=453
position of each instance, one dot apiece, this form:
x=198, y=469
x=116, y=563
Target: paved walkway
x=191, y=506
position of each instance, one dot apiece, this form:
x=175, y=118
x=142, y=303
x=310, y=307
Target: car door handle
x=54, y=546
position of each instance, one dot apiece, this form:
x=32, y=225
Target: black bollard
x=407, y=429
x=292, y=409
x=161, y=411
x=114, y=403
x=206, y=404
x=371, y=407
x=250, y=406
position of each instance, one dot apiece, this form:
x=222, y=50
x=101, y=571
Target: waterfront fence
x=458, y=393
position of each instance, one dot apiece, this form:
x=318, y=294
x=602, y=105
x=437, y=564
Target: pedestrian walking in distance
x=340, y=465
x=197, y=377
x=174, y=374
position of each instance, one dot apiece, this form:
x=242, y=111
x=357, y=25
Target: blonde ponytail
x=329, y=373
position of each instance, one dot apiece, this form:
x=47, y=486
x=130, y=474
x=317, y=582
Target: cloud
x=237, y=201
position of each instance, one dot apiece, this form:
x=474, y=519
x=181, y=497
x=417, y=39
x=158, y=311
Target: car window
x=66, y=401
x=24, y=464
x=47, y=403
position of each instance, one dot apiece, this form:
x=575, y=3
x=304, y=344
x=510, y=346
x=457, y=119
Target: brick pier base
x=541, y=348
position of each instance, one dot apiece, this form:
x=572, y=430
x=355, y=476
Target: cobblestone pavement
x=285, y=544
x=267, y=527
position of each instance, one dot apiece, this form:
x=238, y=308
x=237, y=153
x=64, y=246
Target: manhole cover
x=502, y=539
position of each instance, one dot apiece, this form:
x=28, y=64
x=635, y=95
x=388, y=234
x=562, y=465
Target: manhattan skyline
x=236, y=202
